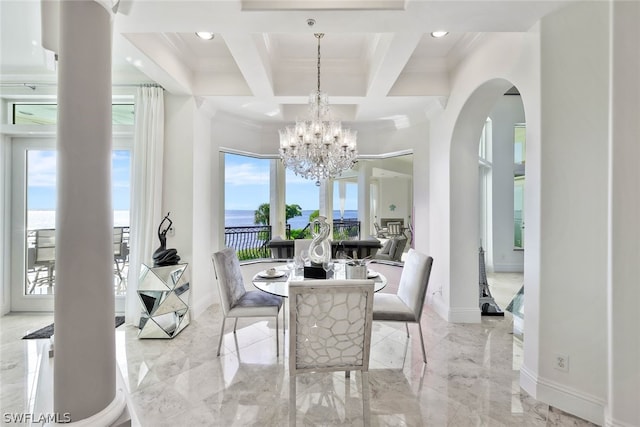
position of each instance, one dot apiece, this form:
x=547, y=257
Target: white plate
x=371, y=274
x=265, y=275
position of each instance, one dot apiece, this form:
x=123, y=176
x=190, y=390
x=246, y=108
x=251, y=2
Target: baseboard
x=198, y=307
x=612, y=422
x=560, y=396
x=455, y=315
x=439, y=307
x=508, y=268
x=118, y=413
x=465, y=315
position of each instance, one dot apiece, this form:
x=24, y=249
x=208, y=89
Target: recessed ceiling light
x=438, y=34
x=205, y=35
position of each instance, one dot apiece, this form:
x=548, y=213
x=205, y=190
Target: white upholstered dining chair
x=329, y=330
x=406, y=305
x=236, y=301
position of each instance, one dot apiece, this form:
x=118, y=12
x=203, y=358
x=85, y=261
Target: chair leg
x=366, y=412
x=424, y=353
x=406, y=325
x=292, y=400
x=277, y=338
x=234, y=325
x=221, y=335
x=284, y=326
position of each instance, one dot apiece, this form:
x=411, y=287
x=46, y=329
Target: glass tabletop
x=279, y=285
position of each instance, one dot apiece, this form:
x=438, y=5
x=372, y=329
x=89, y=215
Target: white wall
x=187, y=192
x=5, y=209
x=573, y=207
x=394, y=191
x=499, y=61
x=623, y=388
x=505, y=114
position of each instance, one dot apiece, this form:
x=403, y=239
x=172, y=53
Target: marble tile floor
x=471, y=378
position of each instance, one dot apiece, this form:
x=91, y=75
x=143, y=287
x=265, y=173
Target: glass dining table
x=278, y=283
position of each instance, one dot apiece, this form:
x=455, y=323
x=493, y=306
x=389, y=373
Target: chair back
x=395, y=228
x=414, y=281
x=230, y=283
x=45, y=246
x=120, y=247
x=330, y=325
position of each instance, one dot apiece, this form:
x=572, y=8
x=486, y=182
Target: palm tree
x=293, y=211
x=261, y=215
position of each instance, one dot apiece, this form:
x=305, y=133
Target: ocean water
x=37, y=219
x=237, y=218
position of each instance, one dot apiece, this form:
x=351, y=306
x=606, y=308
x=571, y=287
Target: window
x=41, y=215
x=519, y=157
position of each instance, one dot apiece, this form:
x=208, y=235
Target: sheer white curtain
x=146, y=191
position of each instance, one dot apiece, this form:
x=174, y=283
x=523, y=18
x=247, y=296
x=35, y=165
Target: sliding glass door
x=34, y=218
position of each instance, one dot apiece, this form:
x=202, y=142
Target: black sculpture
x=163, y=256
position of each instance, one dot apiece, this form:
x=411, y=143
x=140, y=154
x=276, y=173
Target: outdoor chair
x=406, y=306
x=43, y=257
x=235, y=300
x=380, y=232
x=394, y=228
x=392, y=249
x=330, y=330
x=120, y=251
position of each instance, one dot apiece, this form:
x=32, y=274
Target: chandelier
x=318, y=147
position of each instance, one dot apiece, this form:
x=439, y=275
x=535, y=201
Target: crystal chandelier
x=318, y=147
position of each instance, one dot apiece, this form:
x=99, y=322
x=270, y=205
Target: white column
x=623, y=292
x=277, y=186
x=364, y=196
x=84, y=362
x=326, y=201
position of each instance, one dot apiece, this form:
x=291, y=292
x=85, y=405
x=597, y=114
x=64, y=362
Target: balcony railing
x=250, y=242
x=343, y=229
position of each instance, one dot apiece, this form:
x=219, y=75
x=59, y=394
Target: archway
x=464, y=192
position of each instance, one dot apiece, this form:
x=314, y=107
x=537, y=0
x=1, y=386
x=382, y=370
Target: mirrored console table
x=164, y=296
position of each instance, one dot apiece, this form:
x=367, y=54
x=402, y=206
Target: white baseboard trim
x=612, y=422
x=508, y=268
x=439, y=307
x=199, y=307
x=560, y=396
x=465, y=315
x=117, y=413
x=455, y=315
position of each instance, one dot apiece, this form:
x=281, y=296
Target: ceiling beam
x=389, y=58
x=252, y=60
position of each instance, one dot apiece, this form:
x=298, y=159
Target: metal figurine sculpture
x=163, y=256
x=320, y=249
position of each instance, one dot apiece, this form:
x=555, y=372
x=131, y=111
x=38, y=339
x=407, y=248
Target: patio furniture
x=406, y=306
x=394, y=229
x=284, y=249
x=235, y=300
x=42, y=258
x=380, y=232
x=392, y=249
x=120, y=250
x=330, y=330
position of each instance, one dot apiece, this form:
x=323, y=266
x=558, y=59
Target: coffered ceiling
x=379, y=61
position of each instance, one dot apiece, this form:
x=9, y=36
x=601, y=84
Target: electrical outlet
x=172, y=231
x=561, y=362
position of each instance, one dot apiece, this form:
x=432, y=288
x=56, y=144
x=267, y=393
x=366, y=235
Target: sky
x=247, y=186
x=41, y=179
x=247, y=183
